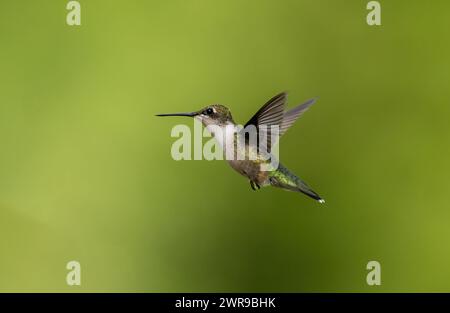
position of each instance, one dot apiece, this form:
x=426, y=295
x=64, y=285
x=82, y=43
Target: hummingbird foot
x=254, y=185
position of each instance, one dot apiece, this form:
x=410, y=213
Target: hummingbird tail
x=283, y=178
x=304, y=188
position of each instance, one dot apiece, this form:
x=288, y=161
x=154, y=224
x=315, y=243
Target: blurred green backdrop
x=86, y=172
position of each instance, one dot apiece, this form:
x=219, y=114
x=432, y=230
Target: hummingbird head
x=214, y=114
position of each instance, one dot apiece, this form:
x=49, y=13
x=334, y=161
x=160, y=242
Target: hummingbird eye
x=208, y=111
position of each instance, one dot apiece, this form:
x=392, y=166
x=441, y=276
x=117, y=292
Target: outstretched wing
x=292, y=115
x=270, y=114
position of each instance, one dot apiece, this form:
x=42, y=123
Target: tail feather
x=283, y=178
x=304, y=188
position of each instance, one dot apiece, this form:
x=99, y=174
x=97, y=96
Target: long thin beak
x=191, y=114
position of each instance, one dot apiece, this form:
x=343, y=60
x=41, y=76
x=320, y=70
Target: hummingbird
x=272, y=113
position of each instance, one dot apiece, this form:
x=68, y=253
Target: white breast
x=224, y=135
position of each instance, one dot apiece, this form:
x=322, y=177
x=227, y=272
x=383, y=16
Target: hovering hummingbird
x=270, y=114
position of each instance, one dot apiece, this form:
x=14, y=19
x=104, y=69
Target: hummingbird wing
x=269, y=114
x=292, y=115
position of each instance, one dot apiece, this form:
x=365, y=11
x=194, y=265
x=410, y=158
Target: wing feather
x=272, y=113
x=292, y=115
x=269, y=114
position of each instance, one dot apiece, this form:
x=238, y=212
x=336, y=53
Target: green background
x=86, y=172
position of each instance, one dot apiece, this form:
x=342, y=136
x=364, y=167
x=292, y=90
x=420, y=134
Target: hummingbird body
x=280, y=177
x=251, y=168
x=258, y=168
